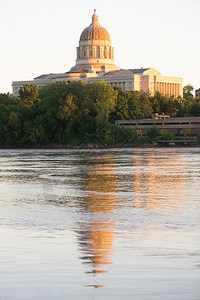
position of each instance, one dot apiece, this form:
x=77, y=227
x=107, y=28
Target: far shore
x=96, y=146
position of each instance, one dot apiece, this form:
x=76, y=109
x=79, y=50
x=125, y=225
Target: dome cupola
x=95, y=31
x=95, y=52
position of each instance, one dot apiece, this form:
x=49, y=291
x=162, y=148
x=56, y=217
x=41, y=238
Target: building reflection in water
x=97, y=236
x=156, y=184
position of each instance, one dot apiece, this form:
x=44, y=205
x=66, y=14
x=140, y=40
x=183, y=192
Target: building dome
x=95, y=52
x=95, y=31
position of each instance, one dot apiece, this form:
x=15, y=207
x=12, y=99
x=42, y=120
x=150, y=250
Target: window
x=105, y=52
x=90, y=51
x=84, y=53
x=98, y=52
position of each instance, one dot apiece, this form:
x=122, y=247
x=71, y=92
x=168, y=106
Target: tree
x=102, y=100
x=68, y=109
x=195, y=109
x=29, y=94
x=34, y=133
x=15, y=124
x=187, y=92
x=121, y=111
x=153, y=132
x=139, y=105
x=10, y=123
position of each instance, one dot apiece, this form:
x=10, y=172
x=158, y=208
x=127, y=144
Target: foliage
x=153, y=133
x=195, y=108
x=78, y=112
x=187, y=92
x=10, y=120
x=166, y=135
x=131, y=105
x=102, y=100
x=29, y=94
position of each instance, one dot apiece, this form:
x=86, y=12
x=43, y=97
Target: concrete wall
x=178, y=126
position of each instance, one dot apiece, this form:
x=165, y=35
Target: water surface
x=104, y=224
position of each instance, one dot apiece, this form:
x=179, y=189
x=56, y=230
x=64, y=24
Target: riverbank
x=100, y=146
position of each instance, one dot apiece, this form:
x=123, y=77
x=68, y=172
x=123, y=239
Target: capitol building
x=95, y=61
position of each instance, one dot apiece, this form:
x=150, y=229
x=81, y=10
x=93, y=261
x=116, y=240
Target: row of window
x=121, y=85
x=95, y=52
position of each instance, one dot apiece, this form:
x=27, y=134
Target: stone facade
x=95, y=61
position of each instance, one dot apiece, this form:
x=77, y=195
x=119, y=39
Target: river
x=100, y=224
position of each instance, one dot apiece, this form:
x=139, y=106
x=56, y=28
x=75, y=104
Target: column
x=94, y=52
x=165, y=88
x=162, y=87
x=101, y=52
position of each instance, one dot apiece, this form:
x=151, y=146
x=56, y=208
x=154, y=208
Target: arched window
x=98, y=52
x=84, y=52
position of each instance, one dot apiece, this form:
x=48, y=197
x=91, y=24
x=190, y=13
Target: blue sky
x=41, y=36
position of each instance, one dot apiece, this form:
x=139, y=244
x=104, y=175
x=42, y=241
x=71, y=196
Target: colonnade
x=168, y=88
x=121, y=85
x=86, y=52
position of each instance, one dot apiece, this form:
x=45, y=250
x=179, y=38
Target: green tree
x=139, y=106
x=166, y=135
x=195, y=108
x=102, y=100
x=34, y=133
x=15, y=124
x=153, y=133
x=68, y=109
x=29, y=94
x=10, y=120
x=187, y=92
x=121, y=111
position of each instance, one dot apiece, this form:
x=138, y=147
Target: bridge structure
x=183, y=126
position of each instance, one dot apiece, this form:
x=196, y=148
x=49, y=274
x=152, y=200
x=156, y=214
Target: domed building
x=95, y=61
x=95, y=52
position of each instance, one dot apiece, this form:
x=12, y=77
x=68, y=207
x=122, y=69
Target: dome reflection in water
x=102, y=224
x=97, y=237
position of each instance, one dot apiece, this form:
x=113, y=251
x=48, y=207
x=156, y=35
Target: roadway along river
x=104, y=224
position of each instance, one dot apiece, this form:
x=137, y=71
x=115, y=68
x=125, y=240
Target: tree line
x=79, y=112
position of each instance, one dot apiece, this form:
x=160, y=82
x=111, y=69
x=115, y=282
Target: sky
x=40, y=37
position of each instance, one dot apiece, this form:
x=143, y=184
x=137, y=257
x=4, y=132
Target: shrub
x=166, y=135
x=153, y=132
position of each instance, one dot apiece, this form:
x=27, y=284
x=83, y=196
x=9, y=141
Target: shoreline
x=91, y=146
